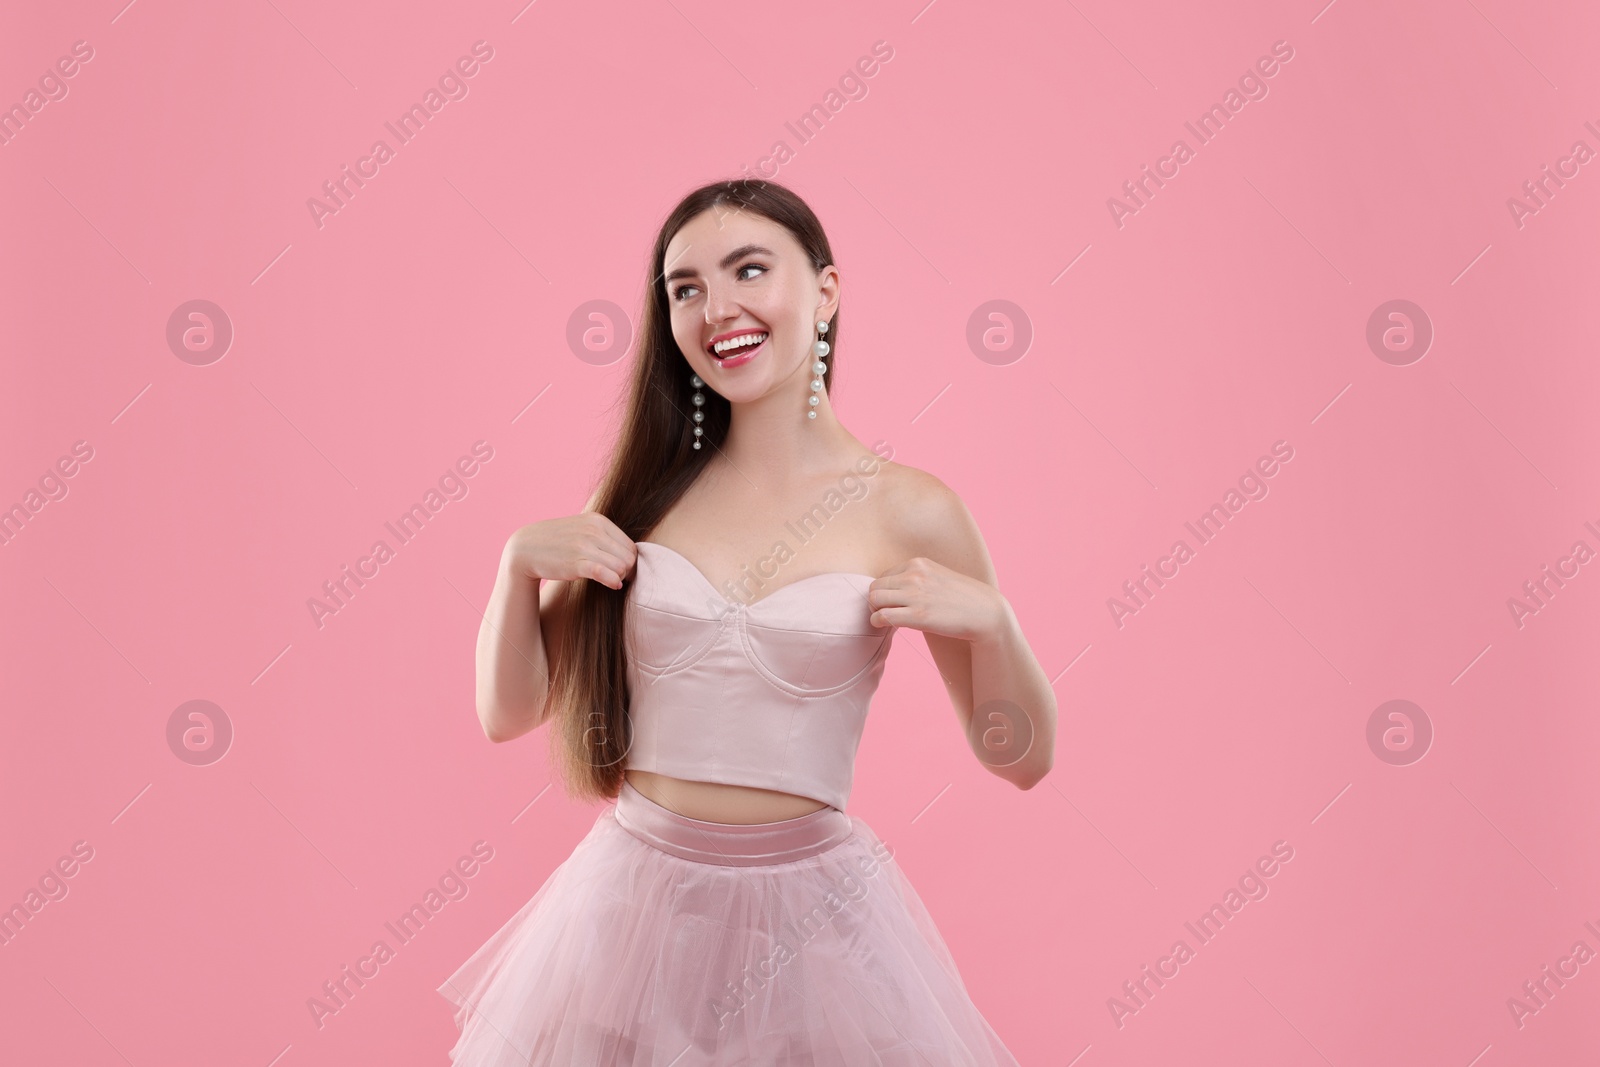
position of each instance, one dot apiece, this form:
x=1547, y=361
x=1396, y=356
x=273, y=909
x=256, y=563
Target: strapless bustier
x=771, y=694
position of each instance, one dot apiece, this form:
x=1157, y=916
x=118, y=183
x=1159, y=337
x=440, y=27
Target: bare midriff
x=716, y=802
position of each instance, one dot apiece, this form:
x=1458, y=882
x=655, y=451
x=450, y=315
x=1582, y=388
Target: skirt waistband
x=729, y=844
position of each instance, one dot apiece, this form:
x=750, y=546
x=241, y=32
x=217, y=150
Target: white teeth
x=739, y=342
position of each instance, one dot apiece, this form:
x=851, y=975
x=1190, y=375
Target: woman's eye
x=677, y=294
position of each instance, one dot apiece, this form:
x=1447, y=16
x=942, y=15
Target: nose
x=720, y=304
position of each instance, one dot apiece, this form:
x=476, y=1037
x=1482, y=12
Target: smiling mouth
x=740, y=349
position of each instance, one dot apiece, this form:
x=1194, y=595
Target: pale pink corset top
x=771, y=694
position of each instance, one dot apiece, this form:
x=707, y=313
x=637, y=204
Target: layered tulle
x=666, y=941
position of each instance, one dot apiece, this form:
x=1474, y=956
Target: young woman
x=705, y=638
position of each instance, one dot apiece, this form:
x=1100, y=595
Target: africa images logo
x=452, y=85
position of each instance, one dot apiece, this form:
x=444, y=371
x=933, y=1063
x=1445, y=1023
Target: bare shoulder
x=931, y=520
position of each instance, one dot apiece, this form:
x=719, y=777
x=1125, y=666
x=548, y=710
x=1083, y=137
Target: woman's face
x=731, y=274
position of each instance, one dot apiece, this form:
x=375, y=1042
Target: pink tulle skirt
x=664, y=940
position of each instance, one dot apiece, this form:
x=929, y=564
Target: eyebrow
x=727, y=261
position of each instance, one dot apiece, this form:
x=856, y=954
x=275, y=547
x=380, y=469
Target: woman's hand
x=585, y=545
x=928, y=596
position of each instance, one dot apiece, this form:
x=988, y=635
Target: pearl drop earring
x=819, y=348
x=699, y=401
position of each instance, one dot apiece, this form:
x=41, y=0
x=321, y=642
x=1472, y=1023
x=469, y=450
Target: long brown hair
x=651, y=466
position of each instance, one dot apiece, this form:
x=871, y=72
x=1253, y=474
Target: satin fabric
x=772, y=693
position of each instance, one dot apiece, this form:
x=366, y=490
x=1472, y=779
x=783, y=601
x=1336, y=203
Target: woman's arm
x=1015, y=735
x=513, y=670
x=1002, y=698
x=525, y=621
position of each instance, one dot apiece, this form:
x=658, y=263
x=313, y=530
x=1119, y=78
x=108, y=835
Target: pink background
x=1230, y=312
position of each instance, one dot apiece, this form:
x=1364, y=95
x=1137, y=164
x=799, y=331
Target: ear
x=828, y=298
